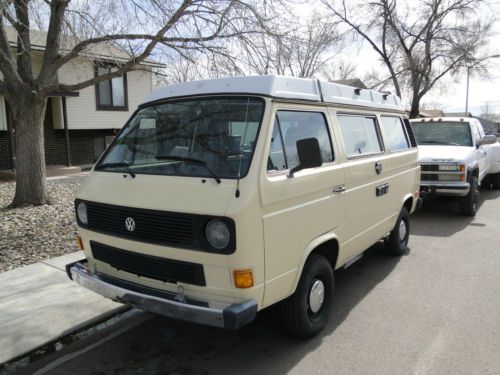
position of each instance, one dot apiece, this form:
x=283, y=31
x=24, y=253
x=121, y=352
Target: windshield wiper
x=117, y=165
x=192, y=161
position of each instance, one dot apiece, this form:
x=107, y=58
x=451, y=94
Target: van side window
x=395, y=136
x=360, y=135
x=291, y=126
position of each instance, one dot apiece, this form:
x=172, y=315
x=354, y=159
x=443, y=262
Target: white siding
x=3, y=114
x=81, y=110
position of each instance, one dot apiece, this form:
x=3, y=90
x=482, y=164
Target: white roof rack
x=281, y=87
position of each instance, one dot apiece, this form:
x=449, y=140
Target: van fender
x=411, y=208
x=314, y=244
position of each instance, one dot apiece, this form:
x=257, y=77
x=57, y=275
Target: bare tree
x=342, y=70
x=488, y=112
x=138, y=29
x=303, y=50
x=419, y=42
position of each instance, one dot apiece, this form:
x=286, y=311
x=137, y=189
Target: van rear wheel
x=397, y=242
x=305, y=313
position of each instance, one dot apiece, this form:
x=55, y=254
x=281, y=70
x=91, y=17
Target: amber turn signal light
x=80, y=242
x=243, y=278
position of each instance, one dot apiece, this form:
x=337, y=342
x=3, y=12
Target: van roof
x=281, y=87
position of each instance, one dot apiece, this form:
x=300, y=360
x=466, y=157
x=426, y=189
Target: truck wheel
x=397, y=242
x=305, y=313
x=487, y=181
x=469, y=203
x=495, y=180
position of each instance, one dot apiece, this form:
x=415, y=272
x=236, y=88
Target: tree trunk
x=31, y=182
x=415, y=106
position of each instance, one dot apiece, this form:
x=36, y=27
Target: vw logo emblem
x=130, y=224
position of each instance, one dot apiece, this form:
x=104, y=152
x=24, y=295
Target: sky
x=482, y=91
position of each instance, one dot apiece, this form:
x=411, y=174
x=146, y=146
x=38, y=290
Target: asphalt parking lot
x=435, y=310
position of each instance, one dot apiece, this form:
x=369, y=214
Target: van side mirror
x=487, y=140
x=309, y=155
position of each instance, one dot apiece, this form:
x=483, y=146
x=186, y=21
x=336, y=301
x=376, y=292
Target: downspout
x=11, y=129
x=66, y=132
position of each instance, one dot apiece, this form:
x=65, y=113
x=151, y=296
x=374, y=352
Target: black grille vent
x=410, y=132
x=429, y=177
x=430, y=167
x=153, y=267
x=150, y=226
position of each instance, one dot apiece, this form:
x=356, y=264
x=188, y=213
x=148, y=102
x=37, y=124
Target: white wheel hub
x=402, y=230
x=316, y=296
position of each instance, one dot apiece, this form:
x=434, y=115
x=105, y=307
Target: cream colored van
x=222, y=197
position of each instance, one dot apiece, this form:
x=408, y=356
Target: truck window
x=394, y=133
x=291, y=126
x=360, y=134
x=451, y=133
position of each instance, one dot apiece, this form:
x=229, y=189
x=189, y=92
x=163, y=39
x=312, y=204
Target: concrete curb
x=39, y=305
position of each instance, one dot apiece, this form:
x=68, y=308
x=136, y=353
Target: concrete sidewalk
x=39, y=304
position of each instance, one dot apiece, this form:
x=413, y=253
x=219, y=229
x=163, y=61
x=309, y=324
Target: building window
x=111, y=95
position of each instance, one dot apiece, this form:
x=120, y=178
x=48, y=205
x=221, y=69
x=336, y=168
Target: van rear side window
x=291, y=126
x=394, y=133
x=360, y=135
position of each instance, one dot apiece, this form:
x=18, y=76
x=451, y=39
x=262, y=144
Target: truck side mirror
x=487, y=140
x=309, y=155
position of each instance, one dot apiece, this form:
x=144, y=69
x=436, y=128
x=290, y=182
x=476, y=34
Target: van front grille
x=149, y=225
x=153, y=267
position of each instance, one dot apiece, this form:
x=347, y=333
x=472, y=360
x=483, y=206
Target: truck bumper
x=433, y=189
x=160, y=302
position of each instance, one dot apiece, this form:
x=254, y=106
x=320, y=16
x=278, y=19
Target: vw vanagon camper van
x=222, y=197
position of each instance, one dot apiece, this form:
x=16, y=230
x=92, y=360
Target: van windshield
x=208, y=137
x=450, y=133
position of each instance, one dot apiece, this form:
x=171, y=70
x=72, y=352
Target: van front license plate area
x=232, y=316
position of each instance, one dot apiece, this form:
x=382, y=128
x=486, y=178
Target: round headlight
x=217, y=234
x=81, y=213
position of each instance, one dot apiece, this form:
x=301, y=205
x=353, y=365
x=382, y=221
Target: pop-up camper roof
x=280, y=87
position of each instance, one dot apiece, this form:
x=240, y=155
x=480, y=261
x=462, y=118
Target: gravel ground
x=30, y=235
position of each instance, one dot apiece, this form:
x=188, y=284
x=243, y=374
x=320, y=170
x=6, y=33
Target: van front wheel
x=305, y=313
x=397, y=242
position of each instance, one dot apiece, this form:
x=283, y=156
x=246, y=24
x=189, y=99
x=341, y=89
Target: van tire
x=469, y=203
x=298, y=310
x=397, y=242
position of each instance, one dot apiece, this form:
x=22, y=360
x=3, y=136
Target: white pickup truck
x=456, y=156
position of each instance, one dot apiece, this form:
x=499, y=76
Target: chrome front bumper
x=439, y=189
x=160, y=302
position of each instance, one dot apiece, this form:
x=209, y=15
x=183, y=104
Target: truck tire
x=397, y=242
x=305, y=313
x=469, y=203
x=495, y=180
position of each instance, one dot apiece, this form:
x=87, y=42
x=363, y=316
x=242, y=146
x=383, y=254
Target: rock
x=33, y=234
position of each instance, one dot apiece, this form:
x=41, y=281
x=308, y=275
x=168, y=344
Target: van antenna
x=237, y=192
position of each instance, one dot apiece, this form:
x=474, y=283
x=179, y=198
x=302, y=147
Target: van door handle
x=339, y=189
